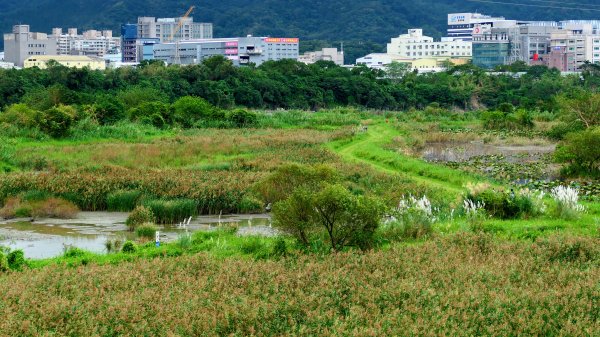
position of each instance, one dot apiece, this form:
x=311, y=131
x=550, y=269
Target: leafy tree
x=397, y=70
x=346, y=219
x=282, y=183
x=584, y=108
x=108, y=110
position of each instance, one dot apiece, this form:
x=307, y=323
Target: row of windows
x=437, y=54
x=438, y=46
x=36, y=45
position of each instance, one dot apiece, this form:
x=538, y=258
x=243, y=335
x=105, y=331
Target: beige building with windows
x=71, y=61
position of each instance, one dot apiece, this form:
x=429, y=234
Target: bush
x=503, y=205
x=122, y=200
x=129, y=247
x=57, y=121
x=187, y=110
x=147, y=231
x=242, y=117
x=140, y=215
x=171, y=211
x=16, y=260
x=581, y=151
x=560, y=131
x=500, y=120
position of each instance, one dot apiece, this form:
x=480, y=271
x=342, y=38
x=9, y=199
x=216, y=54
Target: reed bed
x=464, y=285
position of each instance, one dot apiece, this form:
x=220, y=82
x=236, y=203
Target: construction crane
x=177, y=59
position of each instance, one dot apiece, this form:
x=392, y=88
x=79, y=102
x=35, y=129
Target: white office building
x=461, y=25
x=415, y=45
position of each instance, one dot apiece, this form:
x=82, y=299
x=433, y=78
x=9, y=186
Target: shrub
x=122, y=200
x=147, y=231
x=280, y=185
x=561, y=130
x=140, y=215
x=57, y=121
x=171, y=211
x=16, y=260
x=500, y=120
x=242, y=117
x=187, y=110
x=581, y=151
x=501, y=204
x=129, y=247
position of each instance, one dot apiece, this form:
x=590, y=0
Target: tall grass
x=464, y=285
x=122, y=200
x=172, y=211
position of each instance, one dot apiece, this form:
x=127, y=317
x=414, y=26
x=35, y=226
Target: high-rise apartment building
x=22, y=44
x=90, y=43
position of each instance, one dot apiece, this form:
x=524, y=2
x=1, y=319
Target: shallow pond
x=459, y=152
x=45, y=238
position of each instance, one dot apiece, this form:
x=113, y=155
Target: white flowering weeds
x=472, y=207
x=567, y=200
x=411, y=203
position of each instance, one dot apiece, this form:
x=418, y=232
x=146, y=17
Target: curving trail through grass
x=369, y=148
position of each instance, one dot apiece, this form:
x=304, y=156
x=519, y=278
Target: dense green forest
x=354, y=22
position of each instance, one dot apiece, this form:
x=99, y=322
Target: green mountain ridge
x=370, y=21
